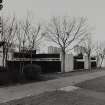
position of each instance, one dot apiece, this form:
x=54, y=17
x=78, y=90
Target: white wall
x=69, y=63
x=103, y=64
x=86, y=62
x=9, y=56
x=1, y=57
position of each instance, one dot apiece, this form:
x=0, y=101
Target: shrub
x=32, y=71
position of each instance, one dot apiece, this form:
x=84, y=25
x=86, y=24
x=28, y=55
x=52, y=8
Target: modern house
x=50, y=62
x=76, y=61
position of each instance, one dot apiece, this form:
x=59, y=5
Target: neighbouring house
x=100, y=62
x=83, y=59
x=81, y=62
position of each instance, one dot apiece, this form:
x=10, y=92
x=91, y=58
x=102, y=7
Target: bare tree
x=66, y=33
x=100, y=52
x=26, y=27
x=8, y=32
x=87, y=48
x=35, y=37
x=29, y=34
x=18, y=36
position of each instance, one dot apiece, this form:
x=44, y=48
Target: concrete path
x=20, y=91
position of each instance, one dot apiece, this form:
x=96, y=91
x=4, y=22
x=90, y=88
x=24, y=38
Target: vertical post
x=1, y=6
x=1, y=29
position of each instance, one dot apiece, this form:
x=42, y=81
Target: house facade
x=76, y=61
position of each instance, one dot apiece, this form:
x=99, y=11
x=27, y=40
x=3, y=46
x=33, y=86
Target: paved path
x=20, y=91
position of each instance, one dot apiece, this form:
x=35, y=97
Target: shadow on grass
x=97, y=84
x=23, y=80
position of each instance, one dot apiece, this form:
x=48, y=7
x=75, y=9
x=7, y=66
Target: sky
x=42, y=10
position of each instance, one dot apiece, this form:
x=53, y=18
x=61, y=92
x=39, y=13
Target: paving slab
x=68, y=88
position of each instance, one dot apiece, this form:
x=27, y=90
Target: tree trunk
x=89, y=62
x=6, y=58
x=101, y=62
x=97, y=61
x=63, y=62
x=19, y=47
x=3, y=60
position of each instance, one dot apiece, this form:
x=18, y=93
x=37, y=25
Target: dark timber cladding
x=34, y=55
x=47, y=66
x=48, y=62
x=78, y=64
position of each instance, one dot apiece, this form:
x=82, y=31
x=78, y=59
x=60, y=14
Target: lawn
x=58, y=98
x=90, y=93
x=43, y=77
x=97, y=84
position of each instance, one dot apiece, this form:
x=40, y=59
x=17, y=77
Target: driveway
x=20, y=91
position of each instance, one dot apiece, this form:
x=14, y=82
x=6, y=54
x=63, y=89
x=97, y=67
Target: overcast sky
x=44, y=9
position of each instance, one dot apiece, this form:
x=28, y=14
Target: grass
x=58, y=98
x=44, y=77
x=78, y=97
x=49, y=76
x=97, y=84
